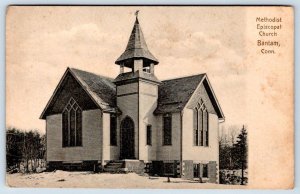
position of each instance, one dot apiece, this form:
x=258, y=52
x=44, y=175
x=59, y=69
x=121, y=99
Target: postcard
x=167, y=97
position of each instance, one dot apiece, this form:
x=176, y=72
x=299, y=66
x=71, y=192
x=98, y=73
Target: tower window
x=167, y=129
x=72, y=124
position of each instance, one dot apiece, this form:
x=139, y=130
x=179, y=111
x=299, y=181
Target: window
x=113, y=130
x=72, y=124
x=206, y=130
x=196, y=170
x=205, y=171
x=167, y=129
x=149, y=135
x=201, y=134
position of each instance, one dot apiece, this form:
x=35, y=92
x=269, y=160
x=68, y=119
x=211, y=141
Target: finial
x=136, y=13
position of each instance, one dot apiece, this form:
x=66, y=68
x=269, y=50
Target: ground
x=60, y=179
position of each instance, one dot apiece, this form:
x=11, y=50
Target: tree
x=28, y=148
x=226, y=140
x=240, y=152
x=14, y=139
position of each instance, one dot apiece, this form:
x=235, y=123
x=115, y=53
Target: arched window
x=72, y=124
x=201, y=124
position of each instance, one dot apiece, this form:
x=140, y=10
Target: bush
x=233, y=177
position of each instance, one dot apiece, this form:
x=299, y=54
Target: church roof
x=101, y=90
x=136, y=47
x=174, y=94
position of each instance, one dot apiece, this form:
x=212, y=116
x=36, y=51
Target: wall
x=200, y=153
x=148, y=94
x=109, y=152
x=169, y=152
x=91, y=138
x=128, y=104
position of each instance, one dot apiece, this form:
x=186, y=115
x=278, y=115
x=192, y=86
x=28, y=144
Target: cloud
x=41, y=58
x=85, y=44
x=199, y=52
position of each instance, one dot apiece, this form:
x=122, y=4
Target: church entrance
x=127, y=139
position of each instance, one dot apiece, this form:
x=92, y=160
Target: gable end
x=213, y=104
x=68, y=87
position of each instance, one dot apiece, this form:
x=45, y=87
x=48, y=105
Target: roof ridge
x=103, y=76
x=176, y=78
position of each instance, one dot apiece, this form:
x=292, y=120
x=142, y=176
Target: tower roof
x=136, y=47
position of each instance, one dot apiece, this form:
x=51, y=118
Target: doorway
x=127, y=139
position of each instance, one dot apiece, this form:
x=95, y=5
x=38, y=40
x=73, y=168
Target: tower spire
x=136, y=48
x=136, y=13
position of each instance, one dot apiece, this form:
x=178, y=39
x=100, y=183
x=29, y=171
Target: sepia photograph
x=150, y=97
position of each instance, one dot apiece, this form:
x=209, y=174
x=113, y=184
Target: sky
x=41, y=42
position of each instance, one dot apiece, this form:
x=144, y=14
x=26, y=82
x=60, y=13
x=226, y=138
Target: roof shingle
x=100, y=87
x=174, y=94
x=136, y=47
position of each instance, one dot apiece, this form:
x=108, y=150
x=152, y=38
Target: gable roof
x=136, y=46
x=101, y=89
x=174, y=94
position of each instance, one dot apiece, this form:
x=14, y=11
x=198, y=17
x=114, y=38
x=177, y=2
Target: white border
x=5, y=3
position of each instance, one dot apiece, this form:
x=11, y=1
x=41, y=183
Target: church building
x=134, y=122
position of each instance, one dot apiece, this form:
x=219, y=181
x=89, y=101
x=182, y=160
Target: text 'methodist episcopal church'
x=135, y=122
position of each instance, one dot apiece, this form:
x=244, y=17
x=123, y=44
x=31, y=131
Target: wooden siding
x=148, y=94
x=91, y=138
x=200, y=153
x=127, y=89
x=201, y=93
x=129, y=107
x=109, y=152
x=169, y=152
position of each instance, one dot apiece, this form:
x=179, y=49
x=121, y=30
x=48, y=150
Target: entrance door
x=127, y=139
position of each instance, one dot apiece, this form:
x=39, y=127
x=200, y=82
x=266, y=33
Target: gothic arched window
x=72, y=124
x=201, y=134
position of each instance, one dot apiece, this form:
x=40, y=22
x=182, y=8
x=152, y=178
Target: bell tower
x=137, y=56
x=137, y=93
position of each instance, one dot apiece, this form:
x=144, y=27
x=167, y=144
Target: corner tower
x=137, y=93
